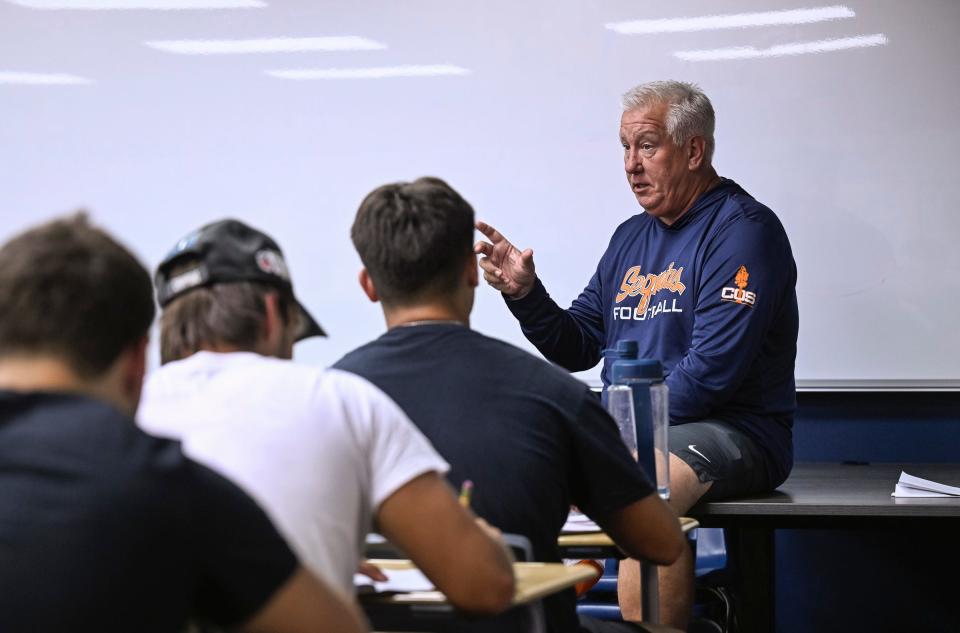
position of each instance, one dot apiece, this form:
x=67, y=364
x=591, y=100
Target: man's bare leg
x=676, y=580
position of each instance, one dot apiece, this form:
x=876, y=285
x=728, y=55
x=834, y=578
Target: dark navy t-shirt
x=105, y=528
x=533, y=439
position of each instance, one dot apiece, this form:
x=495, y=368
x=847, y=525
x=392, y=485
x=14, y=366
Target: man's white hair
x=690, y=111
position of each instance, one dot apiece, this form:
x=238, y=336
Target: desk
x=533, y=582
x=821, y=495
x=572, y=545
x=599, y=545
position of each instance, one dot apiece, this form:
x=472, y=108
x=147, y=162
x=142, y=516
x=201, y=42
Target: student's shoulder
x=342, y=380
x=359, y=358
x=131, y=462
x=86, y=425
x=356, y=398
x=176, y=486
x=522, y=363
x=190, y=377
x=282, y=369
x=113, y=462
x=334, y=394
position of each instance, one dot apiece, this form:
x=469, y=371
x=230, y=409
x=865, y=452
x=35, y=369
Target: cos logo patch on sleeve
x=740, y=294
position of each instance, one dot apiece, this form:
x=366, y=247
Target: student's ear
x=473, y=271
x=278, y=334
x=696, y=152
x=272, y=319
x=366, y=283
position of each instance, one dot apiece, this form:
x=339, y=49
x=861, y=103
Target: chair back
x=520, y=546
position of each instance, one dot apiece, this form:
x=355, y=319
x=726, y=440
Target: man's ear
x=272, y=319
x=696, y=152
x=277, y=334
x=366, y=283
x=473, y=271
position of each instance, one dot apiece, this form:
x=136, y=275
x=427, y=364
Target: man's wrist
x=523, y=293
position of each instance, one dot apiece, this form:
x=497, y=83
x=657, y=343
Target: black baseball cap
x=227, y=251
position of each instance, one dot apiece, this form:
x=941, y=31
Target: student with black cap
x=326, y=453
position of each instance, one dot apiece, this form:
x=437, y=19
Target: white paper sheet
x=403, y=580
x=910, y=486
x=901, y=491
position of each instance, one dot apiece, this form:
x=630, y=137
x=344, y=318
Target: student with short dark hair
x=326, y=453
x=102, y=527
x=70, y=291
x=532, y=439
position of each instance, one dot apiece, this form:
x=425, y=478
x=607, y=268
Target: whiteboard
x=846, y=126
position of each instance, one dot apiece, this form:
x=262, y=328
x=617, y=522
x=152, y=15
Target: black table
x=821, y=495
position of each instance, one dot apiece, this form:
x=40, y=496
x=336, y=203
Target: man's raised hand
x=505, y=267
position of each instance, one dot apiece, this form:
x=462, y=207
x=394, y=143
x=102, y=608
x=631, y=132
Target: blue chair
x=711, y=561
x=711, y=551
x=601, y=601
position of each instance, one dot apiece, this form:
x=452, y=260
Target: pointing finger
x=492, y=233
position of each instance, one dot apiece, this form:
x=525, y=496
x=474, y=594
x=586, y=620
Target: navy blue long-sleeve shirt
x=713, y=297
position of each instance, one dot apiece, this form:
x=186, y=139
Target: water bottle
x=651, y=407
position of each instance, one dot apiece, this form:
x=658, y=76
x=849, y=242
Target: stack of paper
x=910, y=486
x=579, y=522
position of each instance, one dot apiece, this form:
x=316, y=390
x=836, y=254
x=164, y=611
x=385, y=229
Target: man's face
x=657, y=169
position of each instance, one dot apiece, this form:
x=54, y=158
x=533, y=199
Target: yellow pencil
x=465, y=491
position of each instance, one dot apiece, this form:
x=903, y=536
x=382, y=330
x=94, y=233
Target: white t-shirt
x=319, y=450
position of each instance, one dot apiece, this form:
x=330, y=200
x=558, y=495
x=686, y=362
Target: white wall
x=855, y=149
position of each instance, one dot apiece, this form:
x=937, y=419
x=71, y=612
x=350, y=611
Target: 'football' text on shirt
x=646, y=286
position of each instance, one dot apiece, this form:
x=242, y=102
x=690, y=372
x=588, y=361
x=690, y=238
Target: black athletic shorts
x=719, y=452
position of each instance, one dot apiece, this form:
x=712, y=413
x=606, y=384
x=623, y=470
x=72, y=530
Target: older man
x=705, y=281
